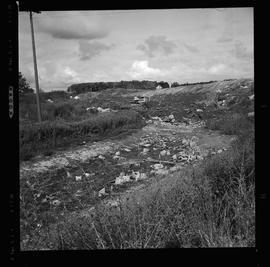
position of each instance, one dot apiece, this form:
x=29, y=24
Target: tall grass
x=48, y=135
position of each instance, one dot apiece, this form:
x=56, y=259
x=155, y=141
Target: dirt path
x=91, y=150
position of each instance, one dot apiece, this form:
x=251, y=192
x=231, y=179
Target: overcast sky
x=184, y=45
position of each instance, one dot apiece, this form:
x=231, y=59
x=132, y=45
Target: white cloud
x=141, y=69
x=217, y=69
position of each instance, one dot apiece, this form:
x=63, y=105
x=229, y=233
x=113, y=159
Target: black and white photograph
x=136, y=129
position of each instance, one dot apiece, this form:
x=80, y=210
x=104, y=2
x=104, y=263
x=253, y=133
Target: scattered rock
x=135, y=175
x=101, y=192
x=145, y=150
x=161, y=172
x=122, y=178
x=146, y=145
x=68, y=174
x=163, y=152
x=158, y=166
x=56, y=202
x=103, y=109
x=143, y=176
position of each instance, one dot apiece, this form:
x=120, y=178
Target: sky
x=173, y=45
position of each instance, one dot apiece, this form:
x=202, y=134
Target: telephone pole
x=35, y=66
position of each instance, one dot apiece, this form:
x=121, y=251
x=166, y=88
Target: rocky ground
x=75, y=180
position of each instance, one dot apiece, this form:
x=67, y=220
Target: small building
x=159, y=87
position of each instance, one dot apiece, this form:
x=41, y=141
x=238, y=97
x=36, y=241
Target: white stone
x=200, y=157
x=56, y=202
x=168, y=153
x=122, y=178
x=103, y=109
x=101, y=157
x=146, y=145
x=76, y=97
x=199, y=110
x=251, y=97
x=145, y=150
x=135, y=175
x=163, y=152
x=251, y=114
x=158, y=166
x=87, y=174
x=174, y=157
x=127, y=149
x=219, y=151
x=78, y=178
x=101, y=192
x=117, y=153
x=162, y=172
x=171, y=116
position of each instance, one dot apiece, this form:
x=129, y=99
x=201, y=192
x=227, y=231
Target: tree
x=175, y=84
x=24, y=87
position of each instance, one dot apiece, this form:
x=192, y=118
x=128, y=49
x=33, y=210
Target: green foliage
x=24, y=87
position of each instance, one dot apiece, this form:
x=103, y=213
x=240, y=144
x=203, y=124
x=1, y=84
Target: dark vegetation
x=99, y=86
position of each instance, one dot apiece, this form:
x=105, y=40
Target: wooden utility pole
x=35, y=67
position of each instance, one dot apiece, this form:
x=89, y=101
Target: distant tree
x=164, y=84
x=24, y=87
x=175, y=84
